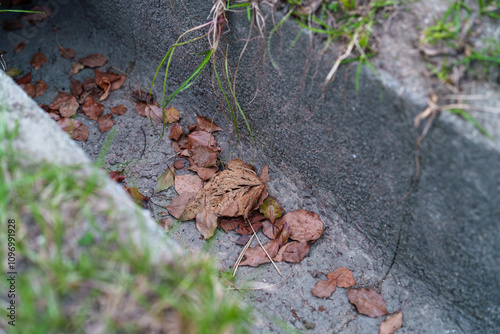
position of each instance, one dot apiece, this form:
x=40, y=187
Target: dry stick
x=265, y=251
x=267, y=287
x=237, y=263
x=466, y=97
x=342, y=57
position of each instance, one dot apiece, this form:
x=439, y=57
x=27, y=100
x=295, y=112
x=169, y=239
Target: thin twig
x=265, y=251
x=346, y=54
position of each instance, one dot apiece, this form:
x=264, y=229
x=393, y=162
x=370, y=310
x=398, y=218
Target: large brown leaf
x=392, y=323
x=233, y=192
x=105, y=122
x=293, y=252
x=340, y=277
x=65, y=103
x=68, y=125
x=305, y=225
x=188, y=184
x=206, y=223
x=206, y=124
x=93, y=60
x=81, y=133
x=368, y=302
x=175, y=131
x=119, y=110
x=178, y=204
x=38, y=60
x=255, y=256
x=91, y=108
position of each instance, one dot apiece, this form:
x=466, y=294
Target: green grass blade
x=471, y=119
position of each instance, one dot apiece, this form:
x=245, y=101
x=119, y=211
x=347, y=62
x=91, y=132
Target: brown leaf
x=114, y=81
x=67, y=53
x=272, y=230
x=175, y=131
x=233, y=192
x=204, y=156
x=178, y=164
x=206, y=173
x=38, y=60
x=91, y=108
x=392, y=323
x=29, y=89
x=68, y=125
x=116, y=176
x=255, y=256
x=206, y=223
x=202, y=138
x=93, y=60
x=293, y=252
x=340, y=277
x=178, y=204
x=136, y=196
x=368, y=302
x=19, y=47
x=166, y=223
x=141, y=96
x=40, y=88
x=81, y=133
x=117, y=84
x=105, y=84
x=65, y=103
x=33, y=18
x=119, y=110
x=140, y=107
x=188, y=184
x=25, y=79
x=264, y=174
x=305, y=225
x=76, y=67
x=105, y=122
x=11, y=25
x=243, y=240
x=76, y=87
x=206, y=124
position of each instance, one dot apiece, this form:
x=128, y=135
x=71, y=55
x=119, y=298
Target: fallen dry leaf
x=38, y=60
x=305, y=225
x=67, y=53
x=29, y=89
x=255, y=256
x=65, y=103
x=141, y=96
x=68, y=125
x=155, y=114
x=206, y=173
x=33, y=18
x=105, y=84
x=206, y=124
x=166, y=223
x=368, y=302
x=272, y=230
x=392, y=323
x=293, y=252
x=76, y=87
x=340, y=277
x=40, y=88
x=165, y=180
x=188, y=184
x=81, y=133
x=240, y=225
x=91, y=108
x=178, y=164
x=76, y=67
x=105, y=122
x=115, y=80
x=140, y=107
x=136, y=196
x=206, y=223
x=119, y=110
x=233, y=192
x=271, y=208
x=203, y=147
x=25, y=79
x=175, y=131
x=13, y=72
x=93, y=60
x=264, y=174
x=178, y=204
x=243, y=240
x=116, y=176
x=19, y=47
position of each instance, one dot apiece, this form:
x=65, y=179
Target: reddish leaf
x=255, y=256
x=38, y=60
x=179, y=164
x=25, y=79
x=206, y=124
x=243, y=240
x=165, y=180
x=305, y=226
x=118, y=83
x=264, y=174
x=368, y=302
x=140, y=107
x=66, y=104
x=340, y=277
x=202, y=138
x=76, y=67
x=68, y=125
x=119, y=110
x=91, y=108
x=40, y=88
x=33, y=18
x=188, y=184
x=206, y=173
x=175, y=147
x=204, y=156
x=105, y=84
x=175, y=131
x=81, y=133
x=141, y=96
x=105, y=122
x=155, y=114
x=231, y=224
x=206, y=223
x=271, y=208
x=293, y=252
x=113, y=82
x=116, y=176
x=178, y=204
x=67, y=53
x=29, y=89
x=19, y=47
x=76, y=87
x=392, y=323
x=136, y=195
x=272, y=230
x=93, y=60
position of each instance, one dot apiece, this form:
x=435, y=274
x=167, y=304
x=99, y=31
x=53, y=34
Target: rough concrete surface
x=347, y=155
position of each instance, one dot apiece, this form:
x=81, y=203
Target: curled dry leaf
x=115, y=80
x=105, y=84
x=105, y=122
x=305, y=225
x=91, y=108
x=175, y=131
x=368, y=302
x=188, y=184
x=76, y=67
x=19, y=47
x=165, y=180
x=29, y=89
x=68, y=125
x=206, y=124
x=206, y=223
x=178, y=204
x=25, y=79
x=271, y=208
x=67, y=53
x=392, y=323
x=38, y=60
x=233, y=192
x=76, y=87
x=255, y=256
x=93, y=60
x=119, y=110
x=40, y=88
x=81, y=133
x=292, y=252
x=33, y=18
x=340, y=277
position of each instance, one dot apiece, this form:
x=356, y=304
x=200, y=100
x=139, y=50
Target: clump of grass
x=79, y=272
